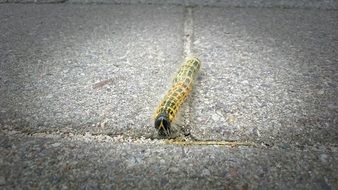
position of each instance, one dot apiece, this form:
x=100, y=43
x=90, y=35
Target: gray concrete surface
x=34, y=1
x=303, y=4
x=267, y=74
x=72, y=67
x=79, y=83
x=99, y=162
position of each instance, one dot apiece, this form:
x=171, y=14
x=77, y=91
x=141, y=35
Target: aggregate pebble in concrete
x=94, y=68
x=101, y=162
x=267, y=75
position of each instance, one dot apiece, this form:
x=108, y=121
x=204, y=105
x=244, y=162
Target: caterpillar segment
x=177, y=94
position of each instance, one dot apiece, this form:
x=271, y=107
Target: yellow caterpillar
x=179, y=91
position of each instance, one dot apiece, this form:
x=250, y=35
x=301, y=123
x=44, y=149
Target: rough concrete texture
x=267, y=75
x=35, y=1
x=102, y=162
x=86, y=68
x=304, y=4
x=79, y=83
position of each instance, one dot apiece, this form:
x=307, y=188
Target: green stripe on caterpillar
x=175, y=97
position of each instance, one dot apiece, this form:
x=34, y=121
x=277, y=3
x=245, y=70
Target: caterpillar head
x=162, y=124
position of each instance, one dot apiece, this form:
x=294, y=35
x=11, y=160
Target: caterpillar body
x=177, y=94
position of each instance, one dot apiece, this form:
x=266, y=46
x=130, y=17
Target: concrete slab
x=79, y=68
x=102, y=162
x=268, y=75
x=299, y=4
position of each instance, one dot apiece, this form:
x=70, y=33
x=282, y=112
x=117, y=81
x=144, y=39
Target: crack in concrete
x=213, y=142
x=187, y=52
x=150, y=139
x=123, y=138
x=188, y=32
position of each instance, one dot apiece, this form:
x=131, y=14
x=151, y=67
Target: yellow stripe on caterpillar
x=177, y=94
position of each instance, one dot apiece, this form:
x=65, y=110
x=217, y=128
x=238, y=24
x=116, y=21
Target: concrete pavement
x=79, y=83
x=100, y=162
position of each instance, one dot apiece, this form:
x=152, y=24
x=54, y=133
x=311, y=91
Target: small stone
x=132, y=162
x=56, y=145
x=164, y=181
x=321, y=92
x=231, y=119
x=174, y=169
x=285, y=146
x=64, y=187
x=205, y=172
x=323, y=158
x=12, y=132
x=256, y=132
x=215, y=117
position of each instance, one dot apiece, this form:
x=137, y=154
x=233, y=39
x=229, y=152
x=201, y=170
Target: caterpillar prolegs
x=177, y=94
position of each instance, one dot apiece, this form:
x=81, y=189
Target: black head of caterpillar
x=162, y=124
